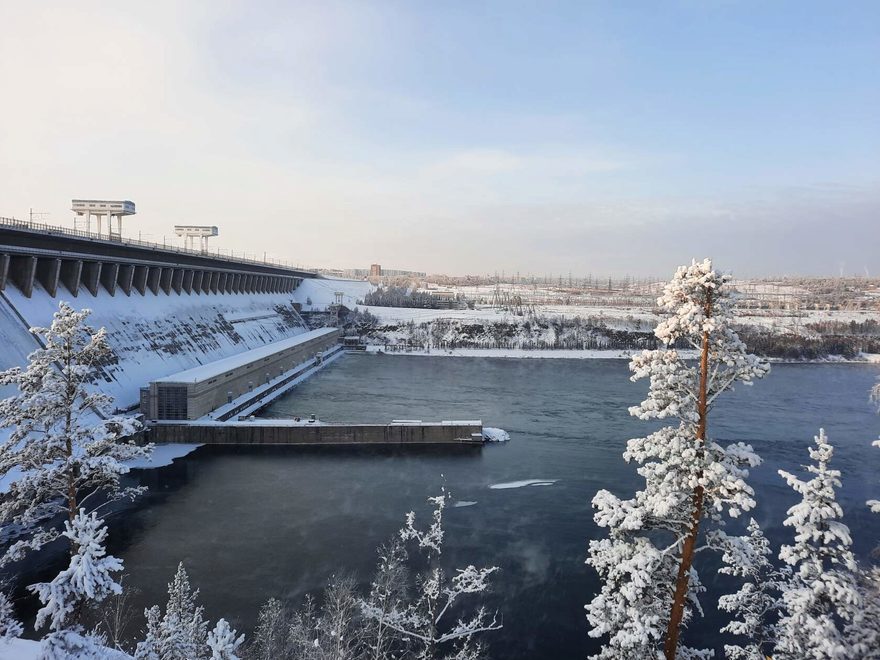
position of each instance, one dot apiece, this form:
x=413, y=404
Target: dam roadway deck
x=289, y=432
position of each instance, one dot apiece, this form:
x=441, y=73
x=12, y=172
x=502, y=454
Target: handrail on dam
x=78, y=233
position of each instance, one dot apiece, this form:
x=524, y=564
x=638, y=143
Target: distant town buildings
x=375, y=273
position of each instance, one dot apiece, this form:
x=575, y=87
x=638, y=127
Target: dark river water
x=261, y=522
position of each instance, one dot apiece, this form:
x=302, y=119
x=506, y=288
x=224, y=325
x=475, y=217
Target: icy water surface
x=256, y=523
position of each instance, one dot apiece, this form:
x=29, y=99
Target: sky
x=459, y=137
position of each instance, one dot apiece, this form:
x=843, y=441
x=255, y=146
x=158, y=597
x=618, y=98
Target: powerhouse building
x=195, y=392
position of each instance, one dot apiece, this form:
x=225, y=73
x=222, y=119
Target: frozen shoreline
x=589, y=354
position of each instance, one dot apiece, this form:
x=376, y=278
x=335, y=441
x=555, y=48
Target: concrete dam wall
x=154, y=337
x=211, y=308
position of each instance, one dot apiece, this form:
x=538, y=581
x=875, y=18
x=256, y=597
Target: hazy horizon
x=457, y=138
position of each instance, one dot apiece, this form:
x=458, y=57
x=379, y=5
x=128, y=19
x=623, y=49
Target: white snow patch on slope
x=163, y=455
x=19, y=649
x=28, y=649
x=491, y=434
x=523, y=483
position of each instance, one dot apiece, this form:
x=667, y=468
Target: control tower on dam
x=165, y=309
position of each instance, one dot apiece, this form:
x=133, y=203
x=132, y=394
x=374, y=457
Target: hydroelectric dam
x=199, y=339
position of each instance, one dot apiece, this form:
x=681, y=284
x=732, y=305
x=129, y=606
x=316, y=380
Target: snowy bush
x=223, y=642
x=822, y=599
x=182, y=632
x=404, y=616
x=420, y=619
x=86, y=581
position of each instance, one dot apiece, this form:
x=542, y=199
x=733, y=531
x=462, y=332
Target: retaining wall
x=247, y=433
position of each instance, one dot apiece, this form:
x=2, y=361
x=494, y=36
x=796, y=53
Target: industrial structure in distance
x=101, y=208
x=201, y=232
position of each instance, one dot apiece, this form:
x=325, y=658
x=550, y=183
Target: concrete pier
x=282, y=432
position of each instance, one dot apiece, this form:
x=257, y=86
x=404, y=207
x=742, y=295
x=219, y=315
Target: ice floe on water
x=491, y=434
x=462, y=503
x=523, y=483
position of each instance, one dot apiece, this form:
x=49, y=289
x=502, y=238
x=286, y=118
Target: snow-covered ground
x=19, y=649
x=26, y=649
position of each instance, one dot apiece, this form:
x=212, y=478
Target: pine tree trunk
x=68, y=429
x=690, y=543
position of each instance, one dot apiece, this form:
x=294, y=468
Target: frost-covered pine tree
x=822, y=597
x=87, y=580
x=182, y=632
x=420, y=619
x=756, y=605
x=650, y=586
x=223, y=642
x=269, y=640
x=63, y=439
x=10, y=628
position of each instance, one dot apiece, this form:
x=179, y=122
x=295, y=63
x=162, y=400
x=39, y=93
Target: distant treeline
x=870, y=327
x=793, y=346
x=529, y=334
x=831, y=339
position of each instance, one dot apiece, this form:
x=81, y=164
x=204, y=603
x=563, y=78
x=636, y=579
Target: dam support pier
x=282, y=432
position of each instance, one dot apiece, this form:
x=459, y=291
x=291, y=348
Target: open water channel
x=253, y=523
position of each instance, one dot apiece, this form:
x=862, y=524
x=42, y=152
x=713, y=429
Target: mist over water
x=252, y=523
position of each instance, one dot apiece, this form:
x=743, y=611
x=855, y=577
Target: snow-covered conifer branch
x=223, y=642
x=756, y=604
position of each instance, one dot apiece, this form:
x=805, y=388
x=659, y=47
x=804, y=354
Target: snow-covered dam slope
x=154, y=335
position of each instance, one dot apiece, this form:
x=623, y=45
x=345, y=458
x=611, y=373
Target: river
x=252, y=523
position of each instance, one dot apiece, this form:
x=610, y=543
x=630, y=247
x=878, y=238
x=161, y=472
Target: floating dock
x=289, y=432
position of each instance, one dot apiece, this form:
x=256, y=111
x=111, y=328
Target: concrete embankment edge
x=324, y=434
